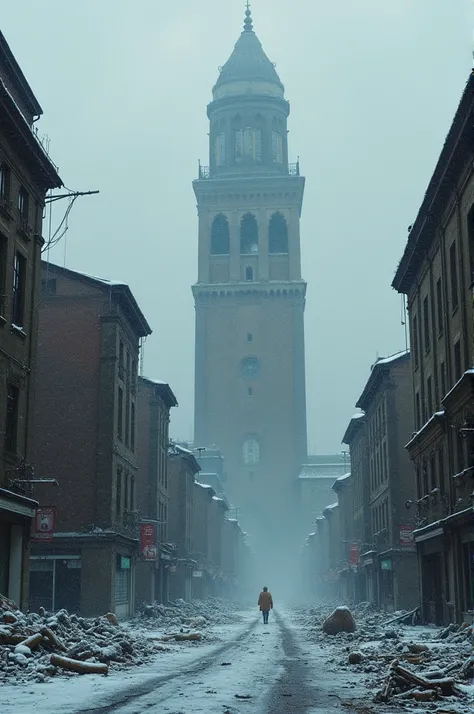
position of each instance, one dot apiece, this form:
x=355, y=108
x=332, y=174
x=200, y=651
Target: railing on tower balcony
x=204, y=172
x=294, y=169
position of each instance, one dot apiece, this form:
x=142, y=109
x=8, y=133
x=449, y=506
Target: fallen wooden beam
x=79, y=667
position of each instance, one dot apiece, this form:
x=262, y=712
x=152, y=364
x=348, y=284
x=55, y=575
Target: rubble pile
x=36, y=646
x=401, y=664
x=195, y=614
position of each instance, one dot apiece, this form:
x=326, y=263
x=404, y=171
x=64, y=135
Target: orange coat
x=265, y=601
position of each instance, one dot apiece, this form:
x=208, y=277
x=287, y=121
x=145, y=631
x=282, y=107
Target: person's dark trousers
x=265, y=614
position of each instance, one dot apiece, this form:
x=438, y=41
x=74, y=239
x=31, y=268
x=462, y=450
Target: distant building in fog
x=315, y=482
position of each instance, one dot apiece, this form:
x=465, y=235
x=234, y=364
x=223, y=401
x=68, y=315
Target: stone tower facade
x=249, y=296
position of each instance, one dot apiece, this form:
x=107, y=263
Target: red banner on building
x=43, y=526
x=354, y=554
x=406, y=536
x=148, y=548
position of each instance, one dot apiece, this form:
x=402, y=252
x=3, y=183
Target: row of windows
x=17, y=298
x=126, y=418
x=379, y=466
x=277, y=235
x=435, y=388
x=247, y=147
x=430, y=474
x=380, y=517
x=124, y=494
x=378, y=423
x=23, y=197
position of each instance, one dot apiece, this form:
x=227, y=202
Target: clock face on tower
x=250, y=367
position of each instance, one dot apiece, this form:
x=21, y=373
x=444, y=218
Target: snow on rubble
x=36, y=646
x=420, y=668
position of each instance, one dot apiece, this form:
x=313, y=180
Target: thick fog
x=124, y=86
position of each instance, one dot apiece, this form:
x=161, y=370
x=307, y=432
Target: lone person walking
x=265, y=603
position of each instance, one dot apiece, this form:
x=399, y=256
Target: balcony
x=204, y=172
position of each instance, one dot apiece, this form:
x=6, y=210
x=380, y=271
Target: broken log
x=79, y=667
x=55, y=641
x=446, y=685
x=402, y=618
x=32, y=641
x=193, y=636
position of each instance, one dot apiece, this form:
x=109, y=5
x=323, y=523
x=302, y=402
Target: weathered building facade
x=436, y=274
x=357, y=440
x=85, y=437
x=250, y=296
x=26, y=174
x=390, y=561
x=155, y=399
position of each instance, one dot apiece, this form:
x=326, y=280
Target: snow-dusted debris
x=412, y=666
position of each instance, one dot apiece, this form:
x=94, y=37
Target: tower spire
x=248, y=26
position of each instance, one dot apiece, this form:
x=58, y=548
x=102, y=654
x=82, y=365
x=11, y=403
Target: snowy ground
x=274, y=669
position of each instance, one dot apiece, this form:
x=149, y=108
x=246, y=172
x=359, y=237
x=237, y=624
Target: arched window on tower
x=219, y=149
x=248, y=234
x=248, y=145
x=277, y=147
x=249, y=273
x=220, y=236
x=277, y=234
x=251, y=451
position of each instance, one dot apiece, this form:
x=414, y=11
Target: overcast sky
x=373, y=86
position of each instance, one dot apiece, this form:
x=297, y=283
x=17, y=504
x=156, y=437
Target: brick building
x=390, y=561
x=200, y=540
x=182, y=470
x=436, y=274
x=356, y=439
x=85, y=437
x=343, y=487
x=26, y=174
x=155, y=399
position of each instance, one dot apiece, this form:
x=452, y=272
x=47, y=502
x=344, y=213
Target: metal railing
x=204, y=172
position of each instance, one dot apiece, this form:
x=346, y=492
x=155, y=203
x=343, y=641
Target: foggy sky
x=373, y=86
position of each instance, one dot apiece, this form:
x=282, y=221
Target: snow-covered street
x=252, y=668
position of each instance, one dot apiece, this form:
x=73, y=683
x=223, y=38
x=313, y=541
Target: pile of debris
x=399, y=662
x=36, y=646
x=198, y=613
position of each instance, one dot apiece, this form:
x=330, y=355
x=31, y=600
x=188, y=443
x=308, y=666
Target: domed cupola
x=248, y=69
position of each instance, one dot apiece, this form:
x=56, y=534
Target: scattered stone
x=341, y=620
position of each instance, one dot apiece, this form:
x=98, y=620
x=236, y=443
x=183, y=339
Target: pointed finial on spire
x=248, y=27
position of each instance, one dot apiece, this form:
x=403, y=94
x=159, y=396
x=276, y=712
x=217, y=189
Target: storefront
x=55, y=582
x=16, y=514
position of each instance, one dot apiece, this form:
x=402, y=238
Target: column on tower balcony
x=294, y=245
x=234, y=246
x=263, y=268
x=204, y=244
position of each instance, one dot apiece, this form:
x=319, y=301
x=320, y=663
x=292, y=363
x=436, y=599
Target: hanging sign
x=354, y=554
x=43, y=525
x=406, y=536
x=148, y=549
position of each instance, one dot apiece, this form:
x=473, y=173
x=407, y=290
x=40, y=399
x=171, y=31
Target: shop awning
x=14, y=503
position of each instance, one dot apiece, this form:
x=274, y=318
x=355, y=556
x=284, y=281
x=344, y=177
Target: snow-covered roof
x=358, y=415
x=437, y=416
x=204, y=485
x=330, y=471
x=344, y=477
x=390, y=358
x=331, y=506
x=102, y=280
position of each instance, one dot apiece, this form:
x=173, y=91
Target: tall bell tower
x=249, y=296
